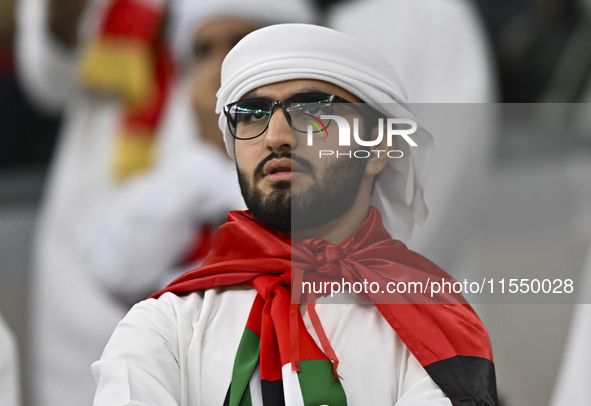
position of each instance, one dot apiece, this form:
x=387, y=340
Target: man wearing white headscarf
x=72, y=314
x=228, y=333
x=9, y=388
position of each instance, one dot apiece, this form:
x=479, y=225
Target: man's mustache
x=304, y=163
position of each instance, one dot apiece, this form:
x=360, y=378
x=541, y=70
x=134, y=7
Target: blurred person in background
x=441, y=53
x=162, y=225
x=9, y=382
x=129, y=113
x=106, y=138
x=417, y=36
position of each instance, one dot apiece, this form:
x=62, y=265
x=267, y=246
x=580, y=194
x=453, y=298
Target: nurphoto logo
x=393, y=127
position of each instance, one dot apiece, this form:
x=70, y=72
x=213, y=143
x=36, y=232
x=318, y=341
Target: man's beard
x=330, y=196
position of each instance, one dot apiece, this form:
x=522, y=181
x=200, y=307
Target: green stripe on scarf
x=246, y=360
x=246, y=398
x=319, y=385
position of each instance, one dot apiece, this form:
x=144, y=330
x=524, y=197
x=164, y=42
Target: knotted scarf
x=448, y=340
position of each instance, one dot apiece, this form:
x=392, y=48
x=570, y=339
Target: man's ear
x=378, y=158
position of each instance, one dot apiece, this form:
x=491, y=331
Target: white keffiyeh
x=299, y=51
x=188, y=15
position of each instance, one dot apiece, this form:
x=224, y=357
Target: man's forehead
x=285, y=89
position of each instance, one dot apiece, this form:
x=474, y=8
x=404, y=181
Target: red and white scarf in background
x=129, y=58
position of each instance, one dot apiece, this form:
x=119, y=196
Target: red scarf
x=447, y=339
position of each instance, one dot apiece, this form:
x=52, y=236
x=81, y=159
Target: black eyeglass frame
x=283, y=103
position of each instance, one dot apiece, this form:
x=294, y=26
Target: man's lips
x=282, y=169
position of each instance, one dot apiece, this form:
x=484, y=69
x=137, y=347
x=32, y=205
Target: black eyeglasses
x=249, y=118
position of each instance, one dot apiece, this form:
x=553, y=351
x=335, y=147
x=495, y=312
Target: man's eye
x=253, y=116
x=315, y=109
x=257, y=116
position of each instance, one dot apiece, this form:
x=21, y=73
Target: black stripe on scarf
x=272, y=393
x=467, y=381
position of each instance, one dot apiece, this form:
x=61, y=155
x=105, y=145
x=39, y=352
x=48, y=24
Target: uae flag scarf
x=448, y=340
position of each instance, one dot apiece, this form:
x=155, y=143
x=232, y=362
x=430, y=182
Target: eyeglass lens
x=249, y=118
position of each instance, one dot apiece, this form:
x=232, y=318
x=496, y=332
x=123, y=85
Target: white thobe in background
x=72, y=317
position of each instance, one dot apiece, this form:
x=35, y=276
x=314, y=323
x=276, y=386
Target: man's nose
x=278, y=134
